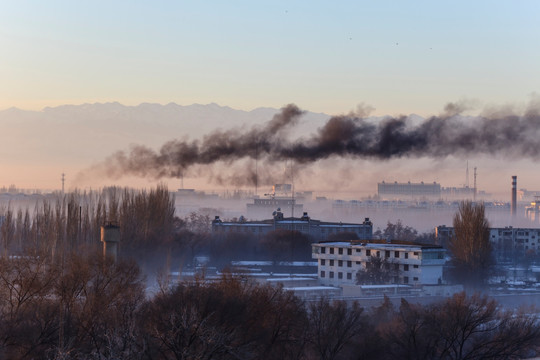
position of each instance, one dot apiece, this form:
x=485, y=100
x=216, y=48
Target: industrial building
x=282, y=197
x=261, y=207
x=408, y=190
x=316, y=229
x=425, y=191
x=339, y=262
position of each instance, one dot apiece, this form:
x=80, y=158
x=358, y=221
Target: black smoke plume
x=347, y=136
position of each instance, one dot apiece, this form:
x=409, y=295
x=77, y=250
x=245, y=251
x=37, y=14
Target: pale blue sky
x=325, y=56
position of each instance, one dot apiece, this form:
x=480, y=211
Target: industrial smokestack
x=514, y=195
x=110, y=237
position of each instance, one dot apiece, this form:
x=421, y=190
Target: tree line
x=69, y=221
x=86, y=307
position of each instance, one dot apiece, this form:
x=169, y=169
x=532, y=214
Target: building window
x=396, y=254
x=340, y=275
x=331, y=262
x=349, y=263
x=415, y=278
x=323, y=250
x=331, y=274
x=340, y=251
x=349, y=251
x=387, y=253
x=396, y=267
x=322, y=273
x=359, y=251
x=368, y=252
x=416, y=253
x=406, y=267
x=331, y=250
x=340, y=263
x=405, y=279
x=349, y=276
x=358, y=262
x=406, y=255
x=415, y=266
x=323, y=262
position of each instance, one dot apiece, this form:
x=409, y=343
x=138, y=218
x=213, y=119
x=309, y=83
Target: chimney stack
x=110, y=237
x=514, y=195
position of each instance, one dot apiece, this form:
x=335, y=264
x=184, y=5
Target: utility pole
x=63, y=181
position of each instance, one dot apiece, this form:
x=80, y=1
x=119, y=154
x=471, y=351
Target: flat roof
x=377, y=245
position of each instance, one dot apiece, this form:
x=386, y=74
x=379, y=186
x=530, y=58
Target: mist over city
x=237, y=180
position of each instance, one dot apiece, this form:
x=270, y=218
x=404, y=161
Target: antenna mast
x=256, y=168
x=467, y=176
x=292, y=190
x=474, y=194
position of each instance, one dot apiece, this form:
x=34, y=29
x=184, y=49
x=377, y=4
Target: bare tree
x=333, y=326
x=229, y=319
x=460, y=328
x=28, y=320
x=378, y=270
x=470, y=246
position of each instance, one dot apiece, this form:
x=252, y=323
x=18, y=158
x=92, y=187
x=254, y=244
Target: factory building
x=282, y=197
x=316, y=229
x=261, y=207
x=416, y=264
x=408, y=190
x=425, y=191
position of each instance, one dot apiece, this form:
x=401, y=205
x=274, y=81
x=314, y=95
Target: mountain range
x=70, y=137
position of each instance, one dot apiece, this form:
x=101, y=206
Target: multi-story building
x=339, y=262
x=282, y=196
x=408, y=190
x=261, y=207
x=508, y=242
x=316, y=229
x=425, y=191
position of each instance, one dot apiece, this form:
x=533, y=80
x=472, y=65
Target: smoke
x=496, y=133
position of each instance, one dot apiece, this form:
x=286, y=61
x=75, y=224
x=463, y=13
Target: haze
x=397, y=58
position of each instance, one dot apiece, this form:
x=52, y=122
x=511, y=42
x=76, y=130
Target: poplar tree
x=470, y=245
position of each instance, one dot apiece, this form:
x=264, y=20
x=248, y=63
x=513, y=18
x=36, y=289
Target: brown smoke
x=348, y=136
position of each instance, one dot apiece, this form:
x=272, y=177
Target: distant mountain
x=69, y=138
x=82, y=134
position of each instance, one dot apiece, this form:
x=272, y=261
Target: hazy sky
x=399, y=57
x=325, y=56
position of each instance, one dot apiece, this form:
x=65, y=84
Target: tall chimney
x=110, y=237
x=514, y=195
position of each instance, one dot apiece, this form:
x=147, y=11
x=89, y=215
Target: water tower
x=110, y=237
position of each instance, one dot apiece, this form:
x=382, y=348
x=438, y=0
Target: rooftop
x=375, y=243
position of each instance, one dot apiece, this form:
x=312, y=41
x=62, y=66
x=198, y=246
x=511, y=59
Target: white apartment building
x=508, y=243
x=339, y=262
